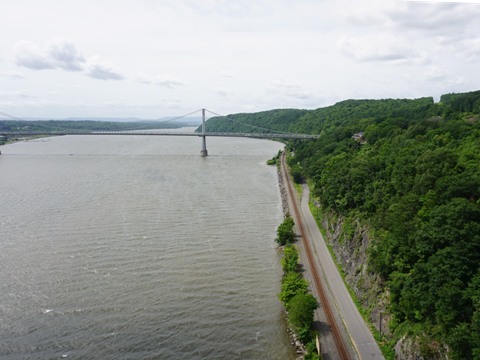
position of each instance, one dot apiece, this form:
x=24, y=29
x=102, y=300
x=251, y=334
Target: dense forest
x=410, y=170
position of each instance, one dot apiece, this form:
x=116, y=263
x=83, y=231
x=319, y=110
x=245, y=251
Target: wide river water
x=135, y=247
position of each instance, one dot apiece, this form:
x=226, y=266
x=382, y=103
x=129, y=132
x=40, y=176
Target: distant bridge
x=160, y=133
x=203, y=134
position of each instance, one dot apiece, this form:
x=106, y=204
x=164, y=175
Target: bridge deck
x=160, y=133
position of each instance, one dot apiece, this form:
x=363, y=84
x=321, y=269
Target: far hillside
x=83, y=126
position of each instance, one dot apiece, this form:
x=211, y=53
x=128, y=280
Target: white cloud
x=224, y=92
x=436, y=73
x=441, y=18
x=18, y=98
x=31, y=56
x=13, y=75
x=62, y=54
x=166, y=81
x=289, y=90
x=450, y=1
x=280, y=83
x=411, y=32
x=98, y=68
x=470, y=49
x=427, y=17
x=378, y=48
x=226, y=53
x=65, y=55
x=226, y=74
x=58, y=54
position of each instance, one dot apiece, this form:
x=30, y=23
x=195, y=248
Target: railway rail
x=336, y=333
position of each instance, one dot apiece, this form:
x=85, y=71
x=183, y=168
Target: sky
x=155, y=58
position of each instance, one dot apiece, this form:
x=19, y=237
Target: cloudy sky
x=155, y=58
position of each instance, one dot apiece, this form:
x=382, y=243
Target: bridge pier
x=204, y=151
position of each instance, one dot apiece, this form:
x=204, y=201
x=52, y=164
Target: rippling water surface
x=135, y=247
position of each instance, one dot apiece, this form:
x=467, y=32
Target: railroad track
x=337, y=336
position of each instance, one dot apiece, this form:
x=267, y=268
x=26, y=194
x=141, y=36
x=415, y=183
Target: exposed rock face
x=408, y=348
x=349, y=243
x=350, y=248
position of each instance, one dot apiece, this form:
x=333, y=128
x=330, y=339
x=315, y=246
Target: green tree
x=296, y=172
x=414, y=180
x=292, y=284
x=290, y=259
x=285, y=233
x=300, y=314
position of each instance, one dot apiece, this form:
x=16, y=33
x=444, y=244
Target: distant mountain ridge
x=85, y=125
x=189, y=120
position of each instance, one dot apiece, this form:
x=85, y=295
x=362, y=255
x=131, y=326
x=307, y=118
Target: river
x=135, y=247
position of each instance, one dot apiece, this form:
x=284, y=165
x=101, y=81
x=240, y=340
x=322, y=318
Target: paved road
x=359, y=332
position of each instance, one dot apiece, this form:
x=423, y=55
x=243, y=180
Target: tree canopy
x=285, y=232
x=411, y=170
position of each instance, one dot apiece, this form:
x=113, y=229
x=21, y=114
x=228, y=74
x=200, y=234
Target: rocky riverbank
x=283, y=191
x=294, y=341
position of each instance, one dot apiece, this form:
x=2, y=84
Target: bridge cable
x=180, y=117
x=10, y=116
x=162, y=121
x=253, y=126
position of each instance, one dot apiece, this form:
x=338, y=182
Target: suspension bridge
x=267, y=134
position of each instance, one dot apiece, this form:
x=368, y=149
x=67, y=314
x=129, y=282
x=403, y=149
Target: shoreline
x=283, y=190
x=294, y=342
x=331, y=334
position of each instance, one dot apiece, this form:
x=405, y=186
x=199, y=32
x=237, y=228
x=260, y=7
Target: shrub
x=300, y=313
x=285, y=233
x=290, y=259
x=292, y=284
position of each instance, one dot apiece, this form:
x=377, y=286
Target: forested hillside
x=261, y=122
x=410, y=170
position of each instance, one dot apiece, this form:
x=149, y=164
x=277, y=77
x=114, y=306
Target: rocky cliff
x=349, y=241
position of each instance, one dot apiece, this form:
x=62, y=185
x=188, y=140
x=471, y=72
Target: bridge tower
x=204, y=151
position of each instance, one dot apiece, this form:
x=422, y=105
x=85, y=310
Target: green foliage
x=469, y=102
x=411, y=169
x=275, y=159
x=285, y=232
x=417, y=181
x=296, y=172
x=464, y=338
x=292, y=284
x=300, y=314
x=261, y=122
x=311, y=351
x=272, y=161
x=290, y=259
x=299, y=304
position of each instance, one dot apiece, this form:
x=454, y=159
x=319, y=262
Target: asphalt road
x=360, y=335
